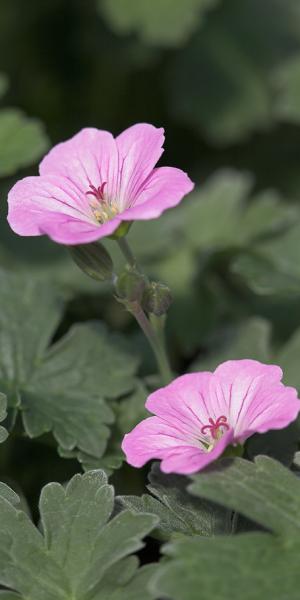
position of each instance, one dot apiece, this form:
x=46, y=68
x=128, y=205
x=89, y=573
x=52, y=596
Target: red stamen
x=97, y=192
x=214, y=426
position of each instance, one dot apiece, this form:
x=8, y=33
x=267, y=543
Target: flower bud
x=131, y=285
x=157, y=298
x=94, y=260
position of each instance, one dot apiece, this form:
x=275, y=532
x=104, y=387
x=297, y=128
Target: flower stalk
x=153, y=334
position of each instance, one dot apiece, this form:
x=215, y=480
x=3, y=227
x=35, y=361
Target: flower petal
x=252, y=397
x=89, y=158
x=52, y=205
x=183, y=404
x=186, y=461
x=31, y=199
x=139, y=147
x=164, y=188
x=151, y=438
x=69, y=231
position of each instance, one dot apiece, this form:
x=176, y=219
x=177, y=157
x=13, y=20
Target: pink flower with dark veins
x=198, y=415
x=93, y=182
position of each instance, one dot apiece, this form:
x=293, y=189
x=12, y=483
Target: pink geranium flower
x=91, y=183
x=199, y=415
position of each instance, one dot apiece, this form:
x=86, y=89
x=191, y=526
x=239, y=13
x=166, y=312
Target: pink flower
x=198, y=415
x=88, y=185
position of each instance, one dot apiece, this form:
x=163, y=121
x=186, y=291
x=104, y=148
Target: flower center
x=215, y=428
x=102, y=208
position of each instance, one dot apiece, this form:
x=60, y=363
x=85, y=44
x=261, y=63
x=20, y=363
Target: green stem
x=126, y=250
x=154, y=337
x=155, y=343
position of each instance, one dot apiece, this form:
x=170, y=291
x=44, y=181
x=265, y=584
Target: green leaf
x=264, y=491
x=81, y=552
x=288, y=359
x=287, y=84
x=6, y=493
x=249, y=339
x=227, y=193
x=3, y=414
x=263, y=277
x=220, y=84
x=22, y=141
x=127, y=413
x=62, y=388
x=151, y=20
x=256, y=565
x=178, y=511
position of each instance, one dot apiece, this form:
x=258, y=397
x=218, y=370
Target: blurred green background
x=223, y=78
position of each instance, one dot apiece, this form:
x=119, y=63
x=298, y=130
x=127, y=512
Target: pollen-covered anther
x=216, y=428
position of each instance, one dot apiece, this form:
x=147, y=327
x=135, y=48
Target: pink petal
x=68, y=231
x=186, y=461
x=183, y=403
x=252, y=397
x=33, y=198
x=89, y=158
x=139, y=149
x=274, y=406
x=52, y=205
x=151, y=438
x=164, y=188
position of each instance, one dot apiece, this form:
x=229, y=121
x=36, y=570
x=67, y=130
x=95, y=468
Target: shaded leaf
x=62, y=388
x=3, y=84
x=220, y=83
x=262, y=565
x=22, y=141
x=161, y=22
x=3, y=414
x=79, y=549
x=178, y=511
x=264, y=491
x=249, y=339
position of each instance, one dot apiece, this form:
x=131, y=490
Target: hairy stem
x=153, y=335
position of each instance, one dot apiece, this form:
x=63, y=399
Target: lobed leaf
x=63, y=388
x=81, y=552
x=178, y=511
x=261, y=565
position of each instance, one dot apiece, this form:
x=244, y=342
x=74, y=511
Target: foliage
x=81, y=552
x=261, y=564
x=222, y=77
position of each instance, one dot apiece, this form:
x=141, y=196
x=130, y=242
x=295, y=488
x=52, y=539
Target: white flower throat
x=102, y=208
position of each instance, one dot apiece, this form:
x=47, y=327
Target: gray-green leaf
x=81, y=553
x=62, y=388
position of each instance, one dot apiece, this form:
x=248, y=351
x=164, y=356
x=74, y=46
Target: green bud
x=131, y=285
x=157, y=299
x=94, y=260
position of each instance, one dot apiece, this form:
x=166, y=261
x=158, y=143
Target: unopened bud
x=94, y=260
x=131, y=285
x=157, y=299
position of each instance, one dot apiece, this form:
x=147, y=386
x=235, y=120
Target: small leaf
x=22, y=141
x=81, y=552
